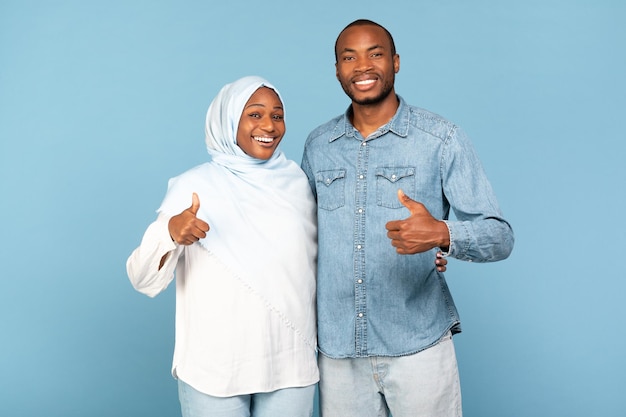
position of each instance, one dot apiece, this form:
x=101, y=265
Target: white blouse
x=229, y=341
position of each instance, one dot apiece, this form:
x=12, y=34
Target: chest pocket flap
x=330, y=188
x=389, y=180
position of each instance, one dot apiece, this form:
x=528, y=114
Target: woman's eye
x=279, y=117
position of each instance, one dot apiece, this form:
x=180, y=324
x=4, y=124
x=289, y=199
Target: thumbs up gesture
x=185, y=228
x=419, y=232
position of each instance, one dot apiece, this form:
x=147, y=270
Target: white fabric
x=228, y=342
x=245, y=313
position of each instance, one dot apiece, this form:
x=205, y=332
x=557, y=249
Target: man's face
x=365, y=65
x=262, y=124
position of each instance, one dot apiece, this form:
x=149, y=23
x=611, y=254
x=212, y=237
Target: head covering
x=222, y=118
x=261, y=213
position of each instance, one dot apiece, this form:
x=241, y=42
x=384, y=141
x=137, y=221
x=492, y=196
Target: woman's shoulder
x=195, y=173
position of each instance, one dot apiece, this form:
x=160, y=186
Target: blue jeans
x=288, y=402
x=425, y=384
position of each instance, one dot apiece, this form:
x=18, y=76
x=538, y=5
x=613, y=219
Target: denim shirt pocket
x=389, y=180
x=330, y=189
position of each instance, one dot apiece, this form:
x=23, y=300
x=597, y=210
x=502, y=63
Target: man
x=385, y=314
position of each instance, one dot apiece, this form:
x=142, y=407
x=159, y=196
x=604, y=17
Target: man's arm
x=479, y=234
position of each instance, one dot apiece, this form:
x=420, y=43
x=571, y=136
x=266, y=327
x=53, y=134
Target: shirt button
x=327, y=181
x=360, y=314
x=393, y=177
x=358, y=247
x=360, y=177
x=360, y=211
x=363, y=143
x=359, y=281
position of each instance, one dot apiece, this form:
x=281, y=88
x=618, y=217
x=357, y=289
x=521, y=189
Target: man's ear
x=396, y=63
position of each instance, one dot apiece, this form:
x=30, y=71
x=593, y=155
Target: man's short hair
x=366, y=22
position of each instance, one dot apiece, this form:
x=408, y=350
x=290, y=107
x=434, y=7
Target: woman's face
x=262, y=124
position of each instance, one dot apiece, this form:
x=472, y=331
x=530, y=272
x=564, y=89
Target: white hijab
x=261, y=213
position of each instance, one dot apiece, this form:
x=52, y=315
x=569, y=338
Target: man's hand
x=185, y=228
x=441, y=262
x=419, y=232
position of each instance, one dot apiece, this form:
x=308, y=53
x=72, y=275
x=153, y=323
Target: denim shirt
x=372, y=301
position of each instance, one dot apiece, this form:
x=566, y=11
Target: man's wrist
x=444, y=240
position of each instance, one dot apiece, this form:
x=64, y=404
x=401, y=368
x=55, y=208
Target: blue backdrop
x=102, y=101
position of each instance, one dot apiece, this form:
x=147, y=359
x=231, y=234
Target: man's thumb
x=406, y=201
x=195, y=203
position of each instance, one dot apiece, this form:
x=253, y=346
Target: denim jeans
x=425, y=384
x=288, y=402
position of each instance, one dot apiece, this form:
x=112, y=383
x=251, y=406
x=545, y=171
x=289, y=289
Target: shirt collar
x=399, y=124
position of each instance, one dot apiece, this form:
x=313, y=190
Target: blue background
x=102, y=101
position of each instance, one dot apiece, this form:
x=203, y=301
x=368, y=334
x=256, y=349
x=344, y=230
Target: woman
x=239, y=232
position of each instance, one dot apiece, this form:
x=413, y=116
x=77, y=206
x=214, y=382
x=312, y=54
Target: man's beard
x=384, y=93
